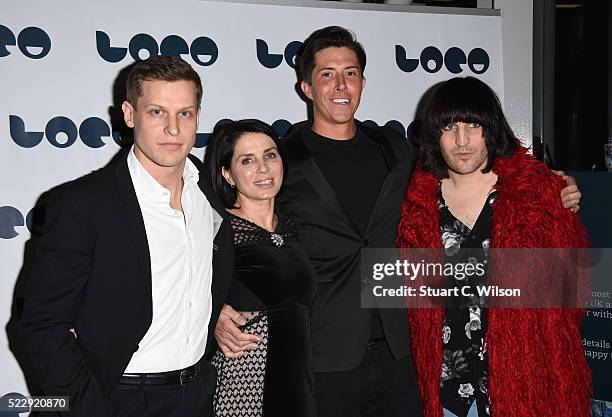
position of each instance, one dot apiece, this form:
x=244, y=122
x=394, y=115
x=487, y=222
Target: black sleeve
x=408, y=145
x=54, y=291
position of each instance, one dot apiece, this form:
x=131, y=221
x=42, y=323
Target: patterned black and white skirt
x=240, y=381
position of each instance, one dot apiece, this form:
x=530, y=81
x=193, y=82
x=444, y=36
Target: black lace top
x=274, y=277
x=246, y=232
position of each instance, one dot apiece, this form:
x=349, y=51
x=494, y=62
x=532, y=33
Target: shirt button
x=366, y=242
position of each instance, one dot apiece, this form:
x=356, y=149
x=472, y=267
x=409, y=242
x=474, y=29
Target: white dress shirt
x=181, y=247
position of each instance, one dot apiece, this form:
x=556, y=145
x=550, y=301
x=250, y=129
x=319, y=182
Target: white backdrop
x=57, y=76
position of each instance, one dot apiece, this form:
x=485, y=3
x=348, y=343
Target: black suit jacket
x=340, y=327
x=92, y=271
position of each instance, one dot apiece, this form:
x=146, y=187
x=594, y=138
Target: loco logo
x=280, y=126
x=10, y=218
x=432, y=60
x=269, y=60
x=91, y=131
x=7, y=402
x=393, y=124
x=203, y=50
x=62, y=132
x=32, y=41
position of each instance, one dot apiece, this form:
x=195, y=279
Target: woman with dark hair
x=273, y=283
x=476, y=188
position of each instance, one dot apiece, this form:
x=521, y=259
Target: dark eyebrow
x=273, y=148
x=334, y=69
x=190, y=107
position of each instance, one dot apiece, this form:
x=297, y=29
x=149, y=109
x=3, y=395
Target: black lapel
x=387, y=150
x=133, y=217
x=301, y=157
x=396, y=170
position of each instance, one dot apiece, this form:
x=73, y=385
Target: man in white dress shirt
x=135, y=261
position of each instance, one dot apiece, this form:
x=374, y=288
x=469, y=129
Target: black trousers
x=379, y=387
x=191, y=400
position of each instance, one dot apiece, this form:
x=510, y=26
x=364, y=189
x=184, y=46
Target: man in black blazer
x=133, y=266
x=344, y=186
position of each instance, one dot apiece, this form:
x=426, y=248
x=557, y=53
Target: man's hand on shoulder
x=231, y=340
x=570, y=195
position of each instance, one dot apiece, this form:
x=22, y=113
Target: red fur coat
x=536, y=361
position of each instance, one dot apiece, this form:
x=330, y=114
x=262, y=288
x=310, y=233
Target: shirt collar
x=191, y=174
x=147, y=188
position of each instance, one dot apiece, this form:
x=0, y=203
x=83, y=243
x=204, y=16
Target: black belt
x=181, y=377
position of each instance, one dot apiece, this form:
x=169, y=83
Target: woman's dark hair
x=328, y=37
x=220, y=151
x=466, y=100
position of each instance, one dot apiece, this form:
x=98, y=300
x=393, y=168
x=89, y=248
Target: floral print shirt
x=464, y=377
